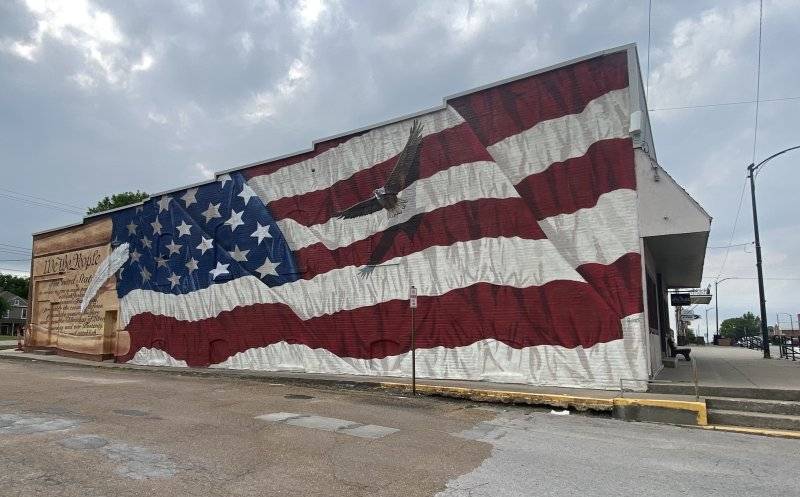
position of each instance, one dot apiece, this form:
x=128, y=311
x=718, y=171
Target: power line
x=12, y=249
x=41, y=198
x=15, y=270
x=39, y=204
x=758, y=76
x=14, y=260
x=8, y=252
x=14, y=246
x=730, y=246
x=733, y=231
x=722, y=104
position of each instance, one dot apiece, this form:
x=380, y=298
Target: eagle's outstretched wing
x=361, y=209
x=408, y=159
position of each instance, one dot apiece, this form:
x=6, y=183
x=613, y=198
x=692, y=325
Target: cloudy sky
x=99, y=97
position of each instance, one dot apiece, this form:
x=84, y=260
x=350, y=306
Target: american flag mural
x=512, y=210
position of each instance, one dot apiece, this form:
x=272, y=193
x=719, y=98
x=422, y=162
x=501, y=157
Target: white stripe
x=341, y=162
x=456, y=184
x=434, y=271
x=518, y=157
x=600, y=234
x=556, y=140
x=599, y=366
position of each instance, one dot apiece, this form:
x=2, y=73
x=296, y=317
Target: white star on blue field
x=187, y=240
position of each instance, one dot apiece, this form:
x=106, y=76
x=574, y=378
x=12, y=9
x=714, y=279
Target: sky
x=99, y=97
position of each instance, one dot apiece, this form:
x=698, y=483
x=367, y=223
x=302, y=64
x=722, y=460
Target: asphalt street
x=75, y=431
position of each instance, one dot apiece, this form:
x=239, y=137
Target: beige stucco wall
x=63, y=264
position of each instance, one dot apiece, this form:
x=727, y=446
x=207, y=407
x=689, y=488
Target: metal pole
x=707, y=309
x=716, y=303
x=413, y=356
x=761, y=296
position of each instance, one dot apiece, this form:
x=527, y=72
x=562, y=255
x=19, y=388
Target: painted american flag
x=519, y=232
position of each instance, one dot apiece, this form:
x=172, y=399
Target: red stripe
x=272, y=166
x=502, y=111
x=484, y=218
x=619, y=284
x=439, y=151
x=564, y=313
x=578, y=183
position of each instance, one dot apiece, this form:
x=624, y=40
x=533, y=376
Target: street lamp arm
x=754, y=167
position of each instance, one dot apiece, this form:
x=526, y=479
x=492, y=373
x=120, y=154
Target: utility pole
x=752, y=168
x=761, y=296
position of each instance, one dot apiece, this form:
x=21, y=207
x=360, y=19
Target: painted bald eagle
x=385, y=197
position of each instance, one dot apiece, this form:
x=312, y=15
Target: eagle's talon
x=366, y=271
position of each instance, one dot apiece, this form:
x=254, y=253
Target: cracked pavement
x=74, y=431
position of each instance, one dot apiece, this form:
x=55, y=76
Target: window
x=24, y=313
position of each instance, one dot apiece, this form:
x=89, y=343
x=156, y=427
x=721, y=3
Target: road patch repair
x=137, y=463
x=97, y=381
x=329, y=424
x=17, y=424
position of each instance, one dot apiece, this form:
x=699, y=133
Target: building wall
x=12, y=321
x=63, y=264
x=519, y=232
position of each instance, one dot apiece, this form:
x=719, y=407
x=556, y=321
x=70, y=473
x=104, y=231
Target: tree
x=747, y=325
x=4, y=307
x=117, y=200
x=689, y=333
x=18, y=285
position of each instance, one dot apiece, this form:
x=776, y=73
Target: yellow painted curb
x=510, y=397
x=765, y=432
x=554, y=400
x=699, y=408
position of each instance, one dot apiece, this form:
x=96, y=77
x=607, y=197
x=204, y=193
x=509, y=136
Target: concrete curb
x=764, y=432
x=508, y=397
x=628, y=409
x=678, y=412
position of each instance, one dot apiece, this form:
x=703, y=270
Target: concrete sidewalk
x=735, y=367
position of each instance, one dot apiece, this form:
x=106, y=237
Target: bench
x=674, y=351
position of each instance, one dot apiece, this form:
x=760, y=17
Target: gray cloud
x=123, y=95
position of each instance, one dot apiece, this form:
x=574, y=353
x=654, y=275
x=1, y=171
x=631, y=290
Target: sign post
x=412, y=303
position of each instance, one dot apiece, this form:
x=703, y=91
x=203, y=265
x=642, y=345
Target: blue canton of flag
x=190, y=239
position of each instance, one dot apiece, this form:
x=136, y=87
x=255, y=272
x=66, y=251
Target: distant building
x=14, y=319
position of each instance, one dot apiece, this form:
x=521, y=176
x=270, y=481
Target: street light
x=752, y=168
x=791, y=319
x=716, y=296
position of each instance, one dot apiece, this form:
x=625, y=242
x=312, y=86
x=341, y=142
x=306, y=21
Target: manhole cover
x=129, y=412
x=297, y=396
